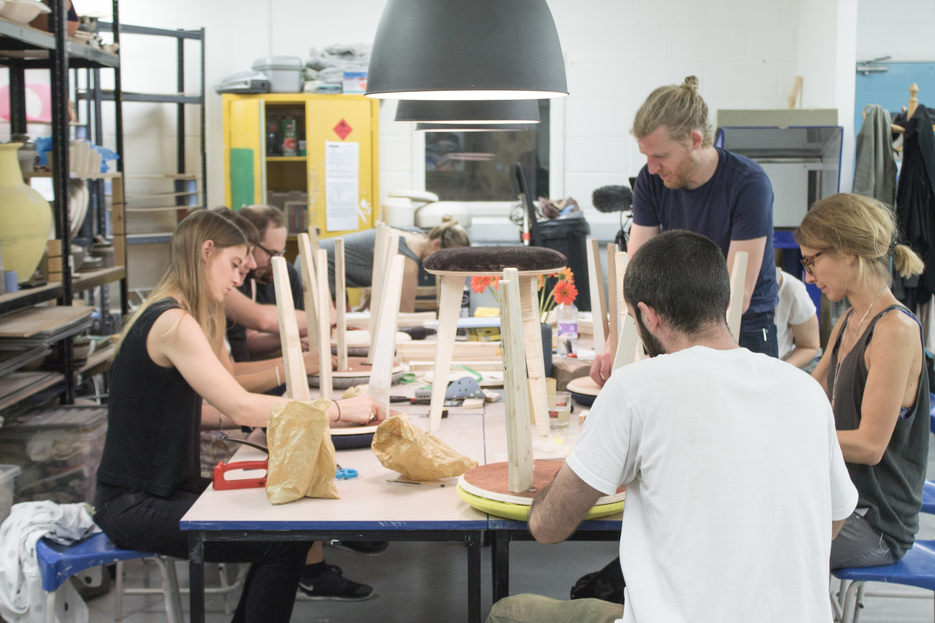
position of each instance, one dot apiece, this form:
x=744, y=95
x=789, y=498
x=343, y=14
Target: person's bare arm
x=807, y=342
x=820, y=373
x=894, y=360
x=562, y=505
x=754, y=249
x=240, y=309
x=836, y=526
x=407, y=296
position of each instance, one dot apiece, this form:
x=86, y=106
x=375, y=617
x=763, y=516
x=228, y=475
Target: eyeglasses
x=272, y=253
x=807, y=262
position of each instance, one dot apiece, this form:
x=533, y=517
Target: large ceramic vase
x=25, y=217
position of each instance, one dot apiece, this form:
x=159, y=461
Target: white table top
x=367, y=502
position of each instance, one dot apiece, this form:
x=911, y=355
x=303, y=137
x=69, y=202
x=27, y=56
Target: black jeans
x=758, y=334
x=147, y=523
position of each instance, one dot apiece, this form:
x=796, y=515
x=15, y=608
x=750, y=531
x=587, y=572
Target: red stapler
x=221, y=483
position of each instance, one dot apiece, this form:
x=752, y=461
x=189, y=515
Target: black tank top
x=891, y=489
x=153, y=420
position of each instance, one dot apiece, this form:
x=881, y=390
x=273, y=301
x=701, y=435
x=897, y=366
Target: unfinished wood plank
x=612, y=285
x=296, y=378
x=598, y=296
x=452, y=287
x=628, y=343
x=35, y=320
x=379, y=269
x=389, y=252
x=339, y=303
x=381, y=375
x=515, y=389
x=324, y=325
x=621, y=260
x=309, y=291
x=738, y=276
x=421, y=350
x=535, y=364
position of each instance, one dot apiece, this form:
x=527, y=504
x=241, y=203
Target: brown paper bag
x=416, y=453
x=301, y=455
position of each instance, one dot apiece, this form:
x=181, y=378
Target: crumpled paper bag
x=301, y=455
x=416, y=453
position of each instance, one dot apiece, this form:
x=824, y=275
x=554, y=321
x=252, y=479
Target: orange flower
x=566, y=275
x=478, y=284
x=540, y=282
x=565, y=292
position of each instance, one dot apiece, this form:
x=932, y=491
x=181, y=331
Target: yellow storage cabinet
x=333, y=186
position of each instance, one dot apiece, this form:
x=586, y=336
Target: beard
x=681, y=175
x=263, y=276
x=650, y=342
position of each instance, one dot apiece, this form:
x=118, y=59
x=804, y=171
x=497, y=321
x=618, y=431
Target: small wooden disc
x=491, y=481
x=584, y=385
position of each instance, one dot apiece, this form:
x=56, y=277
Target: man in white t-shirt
x=733, y=494
x=796, y=321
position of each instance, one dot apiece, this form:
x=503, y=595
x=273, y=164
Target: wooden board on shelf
x=35, y=320
x=20, y=385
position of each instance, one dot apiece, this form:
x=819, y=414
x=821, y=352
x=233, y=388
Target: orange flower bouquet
x=564, y=291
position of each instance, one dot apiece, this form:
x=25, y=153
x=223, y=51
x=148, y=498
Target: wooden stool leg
x=521, y=471
x=384, y=327
x=452, y=288
x=532, y=336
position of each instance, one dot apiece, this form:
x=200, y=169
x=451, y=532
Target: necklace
x=837, y=368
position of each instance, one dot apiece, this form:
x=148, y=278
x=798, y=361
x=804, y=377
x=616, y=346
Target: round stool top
x=492, y=260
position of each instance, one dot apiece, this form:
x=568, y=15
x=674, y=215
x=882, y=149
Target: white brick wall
x=746, y=54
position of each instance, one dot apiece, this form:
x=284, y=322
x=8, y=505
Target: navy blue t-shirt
x=735, y=204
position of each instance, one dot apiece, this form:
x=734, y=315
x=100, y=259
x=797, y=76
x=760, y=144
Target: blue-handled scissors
x=345, y=473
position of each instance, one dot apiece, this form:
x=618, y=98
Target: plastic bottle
x=289, y=129
x=567, y=330
x=273, y=142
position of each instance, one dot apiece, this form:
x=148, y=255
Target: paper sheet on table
x=301, y=456
x=416, y=453
x=342, y=187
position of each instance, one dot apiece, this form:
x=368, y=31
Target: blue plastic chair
x=57, y=563
x=917, y=568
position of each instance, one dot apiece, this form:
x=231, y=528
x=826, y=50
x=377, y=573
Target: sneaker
x=367, y=548
x=333, y=585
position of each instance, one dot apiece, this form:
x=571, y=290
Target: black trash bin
x=568, y=235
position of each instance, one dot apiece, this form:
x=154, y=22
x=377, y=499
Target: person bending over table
x=167, y=360
x=687, y=183
x=796, y=322
x=253, y=321
x=717, y=513
x=873, y=373
x=413, y=245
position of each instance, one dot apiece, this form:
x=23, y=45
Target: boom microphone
x=612, y=199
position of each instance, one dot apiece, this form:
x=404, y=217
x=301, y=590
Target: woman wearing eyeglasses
x=873, y=373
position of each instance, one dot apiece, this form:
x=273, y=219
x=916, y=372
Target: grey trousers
x=527, y=608
x=859, y=545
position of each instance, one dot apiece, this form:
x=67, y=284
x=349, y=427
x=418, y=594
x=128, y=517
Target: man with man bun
x=688, y=183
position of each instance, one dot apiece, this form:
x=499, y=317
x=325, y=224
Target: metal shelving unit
x=186, y=194
x=22, y=48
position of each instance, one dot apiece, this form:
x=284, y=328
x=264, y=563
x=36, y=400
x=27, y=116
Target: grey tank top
x=892, y=489
x=358, y=257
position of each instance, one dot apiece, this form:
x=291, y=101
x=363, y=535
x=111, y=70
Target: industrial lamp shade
x=454, y=111
x=474, y=127
x=466, y=50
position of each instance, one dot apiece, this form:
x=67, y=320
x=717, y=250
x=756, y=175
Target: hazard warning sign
x=343, y=129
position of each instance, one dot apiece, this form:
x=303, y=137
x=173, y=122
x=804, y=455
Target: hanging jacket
x=915, y=196
x=875, y=166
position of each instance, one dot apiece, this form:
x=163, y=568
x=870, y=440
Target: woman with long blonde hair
x=873, y=373
x=168, y=359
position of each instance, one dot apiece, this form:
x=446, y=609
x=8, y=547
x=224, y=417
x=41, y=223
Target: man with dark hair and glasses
x=253, y=328
x=730, y=488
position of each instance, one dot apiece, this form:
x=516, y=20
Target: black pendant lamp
x=474, y=127
x=466, y=50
